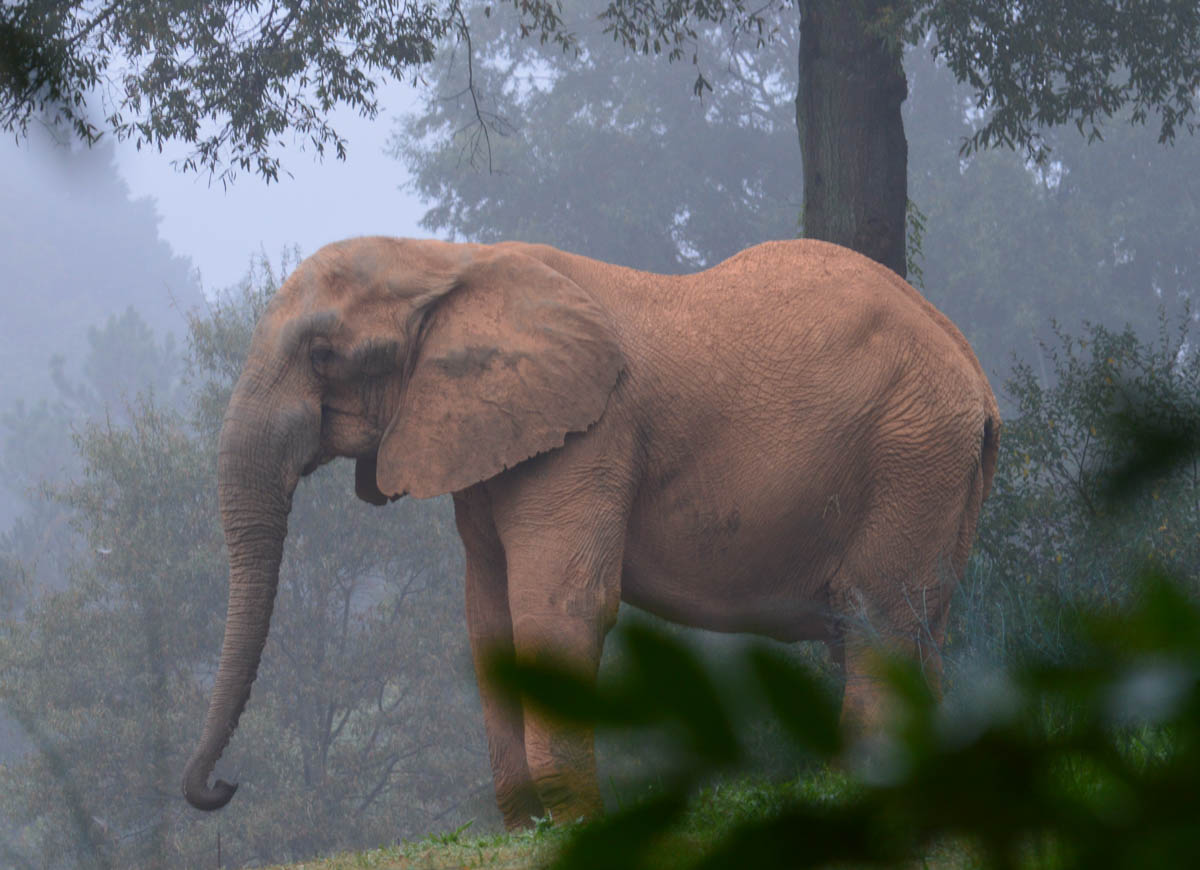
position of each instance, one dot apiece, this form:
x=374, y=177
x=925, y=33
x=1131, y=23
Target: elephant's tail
x=978, y=488
x=990, y=448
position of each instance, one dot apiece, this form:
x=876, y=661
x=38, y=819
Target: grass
x=715, y=810
x=529, y=849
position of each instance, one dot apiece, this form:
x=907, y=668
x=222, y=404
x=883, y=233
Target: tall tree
x=852, y=141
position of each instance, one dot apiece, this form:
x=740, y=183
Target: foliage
x=1103, y=233
x=1053, y=540
x=1031, y=66
x=88, y=670
x=1084, y=62
x=230, y=78
x=600, y=154
x=363, y=721
x=675, y=28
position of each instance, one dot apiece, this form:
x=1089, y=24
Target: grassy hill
x=714, y=811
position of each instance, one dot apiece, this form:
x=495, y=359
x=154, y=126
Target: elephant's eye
x=321, y=357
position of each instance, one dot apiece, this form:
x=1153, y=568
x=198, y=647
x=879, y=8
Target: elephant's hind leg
x=892, y=598
x=490, y=626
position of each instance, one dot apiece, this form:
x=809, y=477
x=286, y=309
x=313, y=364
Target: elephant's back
x=820, y=315
x=820, y=283
x=809, y=300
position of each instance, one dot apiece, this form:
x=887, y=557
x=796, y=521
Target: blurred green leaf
x=1086, y=763
x=1155, y=448
x=554, y=687
x=624, y=839
x=670, y=679
x=804, y=705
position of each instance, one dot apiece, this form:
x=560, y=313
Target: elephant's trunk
x=259, y=459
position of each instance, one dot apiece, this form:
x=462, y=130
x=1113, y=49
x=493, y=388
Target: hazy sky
x=220, y=228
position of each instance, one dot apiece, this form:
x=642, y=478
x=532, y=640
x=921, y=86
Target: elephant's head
x=434, y=365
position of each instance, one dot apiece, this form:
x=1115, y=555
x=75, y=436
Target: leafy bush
x=1053, y=540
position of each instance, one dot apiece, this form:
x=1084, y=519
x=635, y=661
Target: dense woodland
x=1072, y=278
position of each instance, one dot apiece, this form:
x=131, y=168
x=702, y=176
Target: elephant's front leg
x=490, y=628
x=561, y=755
x=563, y=593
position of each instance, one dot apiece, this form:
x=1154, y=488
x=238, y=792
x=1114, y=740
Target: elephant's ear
x=512, y=359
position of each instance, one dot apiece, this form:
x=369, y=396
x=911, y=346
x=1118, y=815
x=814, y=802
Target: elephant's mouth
x=316, y=462
x=365, y=466
x=365, y=486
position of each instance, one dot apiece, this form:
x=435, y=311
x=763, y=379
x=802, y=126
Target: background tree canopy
x=73, y=242
x=606, y=157
x=232, y=78
x=1101, y=233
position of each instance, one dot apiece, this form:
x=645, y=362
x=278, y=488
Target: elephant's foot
x=865, y=709
x=520, y=806
x=570, y=797
x=563, y=766
x=866, y=749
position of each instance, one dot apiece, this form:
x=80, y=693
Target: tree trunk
x=851, y=134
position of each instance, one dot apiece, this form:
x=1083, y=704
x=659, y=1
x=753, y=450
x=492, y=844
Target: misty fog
x=128, y=293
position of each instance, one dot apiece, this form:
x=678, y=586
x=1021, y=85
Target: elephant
x=793, y=443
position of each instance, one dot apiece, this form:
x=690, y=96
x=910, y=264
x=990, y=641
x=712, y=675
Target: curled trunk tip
x=197, y=792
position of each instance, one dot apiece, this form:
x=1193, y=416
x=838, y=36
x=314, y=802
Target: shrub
x=1052, y=540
